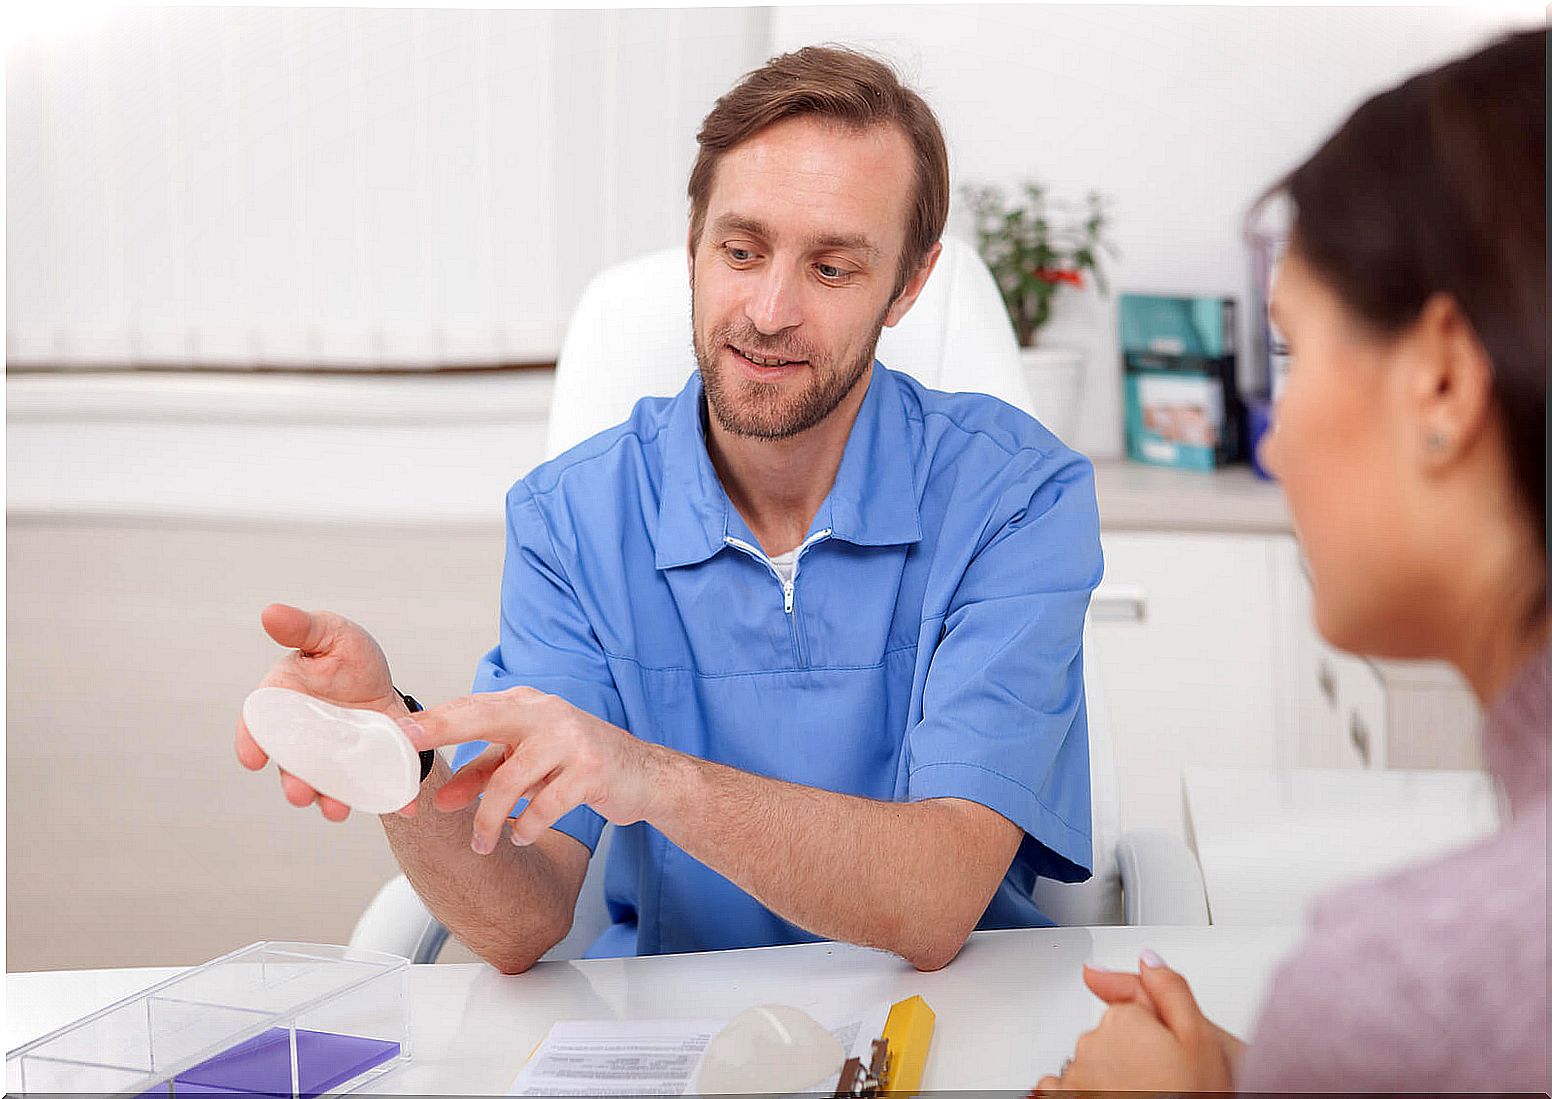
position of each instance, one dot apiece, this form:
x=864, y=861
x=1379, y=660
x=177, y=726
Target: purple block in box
x=262, y=1065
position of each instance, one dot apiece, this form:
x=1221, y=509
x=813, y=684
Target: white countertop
x=418, y=450
x=1009, y=1008
x=1133, y=496
x=440, y=449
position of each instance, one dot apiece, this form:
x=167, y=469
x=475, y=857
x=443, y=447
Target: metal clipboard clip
x=858, y=1082
x=896, y=1058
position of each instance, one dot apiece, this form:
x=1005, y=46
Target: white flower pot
x=1055, y=379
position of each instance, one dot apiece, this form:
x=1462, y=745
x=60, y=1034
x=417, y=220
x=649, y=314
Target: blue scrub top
x=930, y=644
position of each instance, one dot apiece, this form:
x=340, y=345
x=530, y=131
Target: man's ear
x=1448, y=383
x=913, y=287
x=689, y=252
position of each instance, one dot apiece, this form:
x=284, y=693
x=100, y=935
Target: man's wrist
x=672, y=778
x=428, y=757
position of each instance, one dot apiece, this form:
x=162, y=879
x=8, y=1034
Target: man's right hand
x=334, y=659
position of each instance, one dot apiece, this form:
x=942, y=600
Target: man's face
x=794, y=274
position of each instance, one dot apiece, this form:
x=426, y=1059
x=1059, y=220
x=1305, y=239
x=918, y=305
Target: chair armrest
x=398, y=922
x=1161, y=882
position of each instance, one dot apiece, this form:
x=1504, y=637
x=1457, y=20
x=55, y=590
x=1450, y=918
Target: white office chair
x=957, y=337
x=1143, y=877
x=398, y=922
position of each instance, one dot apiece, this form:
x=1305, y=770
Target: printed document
x=658, y=1057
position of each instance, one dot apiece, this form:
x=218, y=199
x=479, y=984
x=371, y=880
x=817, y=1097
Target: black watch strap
x=428, y=757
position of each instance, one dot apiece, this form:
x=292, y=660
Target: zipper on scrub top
x=788, y=587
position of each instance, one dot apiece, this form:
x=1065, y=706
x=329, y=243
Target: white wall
x=397, y=187
x=1182, y=114
x=344, y=186
x=131, y=641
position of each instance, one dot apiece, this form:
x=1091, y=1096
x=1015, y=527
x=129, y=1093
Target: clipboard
x=897, y=1057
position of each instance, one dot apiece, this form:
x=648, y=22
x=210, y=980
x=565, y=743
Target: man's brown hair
x=846, y=87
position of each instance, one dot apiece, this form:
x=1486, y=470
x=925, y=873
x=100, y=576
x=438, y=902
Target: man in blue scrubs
x=809, y=634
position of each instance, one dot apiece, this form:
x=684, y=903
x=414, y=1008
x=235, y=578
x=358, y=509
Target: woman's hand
x=1153, y=1037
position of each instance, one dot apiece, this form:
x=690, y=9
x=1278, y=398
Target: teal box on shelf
x=1182, y=400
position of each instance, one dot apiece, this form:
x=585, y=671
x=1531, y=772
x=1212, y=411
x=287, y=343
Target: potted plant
x=1034, y=247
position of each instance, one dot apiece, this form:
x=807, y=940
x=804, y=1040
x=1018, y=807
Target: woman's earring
x=1437, y=441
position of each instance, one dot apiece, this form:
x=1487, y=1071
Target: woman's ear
x=1447, y=382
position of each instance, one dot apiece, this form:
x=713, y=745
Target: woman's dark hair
x=1439, y=185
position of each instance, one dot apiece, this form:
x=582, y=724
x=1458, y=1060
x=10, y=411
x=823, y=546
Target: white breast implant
x=773, y=1049
x=359, y=757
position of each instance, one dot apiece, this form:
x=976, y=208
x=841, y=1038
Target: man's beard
x=762, y=411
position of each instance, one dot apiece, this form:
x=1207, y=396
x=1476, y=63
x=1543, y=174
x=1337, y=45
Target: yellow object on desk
x=908, y=1030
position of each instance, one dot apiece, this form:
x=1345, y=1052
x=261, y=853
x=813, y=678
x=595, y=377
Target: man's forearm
x=509, y=907
x=910, y=878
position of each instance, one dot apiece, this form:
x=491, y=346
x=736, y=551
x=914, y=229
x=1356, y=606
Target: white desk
x=1009, y=1007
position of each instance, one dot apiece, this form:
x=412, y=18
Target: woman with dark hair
x=1411, y=443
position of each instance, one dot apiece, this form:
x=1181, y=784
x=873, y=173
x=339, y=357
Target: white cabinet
x=1270, y=842
x=1350, y=711
x=1204, y=646
x=1182, y=640
x=1338, y=705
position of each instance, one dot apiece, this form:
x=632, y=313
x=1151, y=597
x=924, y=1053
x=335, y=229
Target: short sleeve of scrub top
x=1004, y=690
x=544, y=632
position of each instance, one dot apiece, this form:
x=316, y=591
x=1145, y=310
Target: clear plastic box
x=285, y=1019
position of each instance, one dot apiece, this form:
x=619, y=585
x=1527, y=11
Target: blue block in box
x=1260, y=411
x=262, y=1065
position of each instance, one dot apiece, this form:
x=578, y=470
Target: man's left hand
x=543, y=749
x=1152, y=1038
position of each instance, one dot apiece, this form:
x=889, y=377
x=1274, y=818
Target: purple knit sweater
x=1433, y=978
